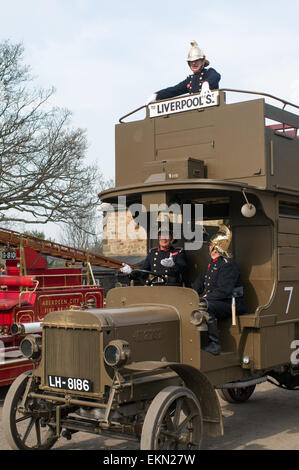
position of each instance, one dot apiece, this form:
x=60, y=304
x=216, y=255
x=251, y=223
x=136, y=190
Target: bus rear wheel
x=236, y=395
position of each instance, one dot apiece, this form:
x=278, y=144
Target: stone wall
x=122, y=236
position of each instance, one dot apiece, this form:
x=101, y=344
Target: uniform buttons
x=155, y=264
x=166, y=275
x=156, y=253
x=166, y=270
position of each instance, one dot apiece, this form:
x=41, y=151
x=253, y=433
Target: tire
x=173, y=421
x=236, y=395
x=25, y=431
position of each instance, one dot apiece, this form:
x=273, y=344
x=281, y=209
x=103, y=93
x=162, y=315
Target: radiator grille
x=72, y=353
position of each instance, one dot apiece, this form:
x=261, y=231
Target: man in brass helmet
x=201, y=78
x=220, y=282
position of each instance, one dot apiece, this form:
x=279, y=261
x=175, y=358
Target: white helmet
x=196, y=53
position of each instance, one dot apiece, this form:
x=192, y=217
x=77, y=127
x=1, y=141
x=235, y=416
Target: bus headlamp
x=117, y=353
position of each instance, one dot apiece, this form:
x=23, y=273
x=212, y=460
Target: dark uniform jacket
x=192, y=84
x=174, y=275
x=219, y=281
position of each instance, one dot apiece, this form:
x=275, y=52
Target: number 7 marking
x=290, y=289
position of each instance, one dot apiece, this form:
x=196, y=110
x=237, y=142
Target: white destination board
x=184, y=103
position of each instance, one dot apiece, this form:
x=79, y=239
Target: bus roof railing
x=268, y=95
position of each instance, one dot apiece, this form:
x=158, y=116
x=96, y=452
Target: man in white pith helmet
x=201, y=77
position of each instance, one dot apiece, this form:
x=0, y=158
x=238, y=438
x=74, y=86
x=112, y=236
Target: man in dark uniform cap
x=202, y=78
x=165, y=260
x=216, y=287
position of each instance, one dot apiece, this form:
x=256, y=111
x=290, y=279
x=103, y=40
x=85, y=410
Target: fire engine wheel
x=236, y=395
x=173, y=421
x=25, y=430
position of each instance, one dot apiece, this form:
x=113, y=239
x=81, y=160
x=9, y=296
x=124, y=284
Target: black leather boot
x=213, y=336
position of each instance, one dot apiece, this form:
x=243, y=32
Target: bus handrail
x=268, y=95
x=132, y=112
x=285, y=103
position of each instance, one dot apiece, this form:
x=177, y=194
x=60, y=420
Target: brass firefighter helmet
x=196, y=53
x=221, y=240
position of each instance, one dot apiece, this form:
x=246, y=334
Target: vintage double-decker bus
x=137, y=367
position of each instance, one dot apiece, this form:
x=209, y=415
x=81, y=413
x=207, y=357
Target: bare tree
x=35, y=233
x=83, y=235
x=43, y=173
x=87, y=232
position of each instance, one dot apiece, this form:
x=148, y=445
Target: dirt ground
x=267, y=421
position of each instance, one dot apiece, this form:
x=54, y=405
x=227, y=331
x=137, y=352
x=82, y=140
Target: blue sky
x=106, y=58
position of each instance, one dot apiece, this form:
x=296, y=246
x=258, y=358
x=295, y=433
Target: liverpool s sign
x=184, y=103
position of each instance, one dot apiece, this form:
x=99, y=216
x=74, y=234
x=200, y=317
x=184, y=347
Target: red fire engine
x=29, y=290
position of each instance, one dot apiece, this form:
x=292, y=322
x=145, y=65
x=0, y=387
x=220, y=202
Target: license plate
x=70, y=383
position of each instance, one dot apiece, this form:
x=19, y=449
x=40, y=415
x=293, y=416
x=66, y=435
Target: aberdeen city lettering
x=184, y=104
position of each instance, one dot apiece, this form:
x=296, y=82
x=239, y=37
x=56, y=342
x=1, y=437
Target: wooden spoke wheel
x=173, y=421
x=236, y=395
x=25, y=425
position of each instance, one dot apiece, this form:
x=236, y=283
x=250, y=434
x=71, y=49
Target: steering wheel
x=152, y=281
x=163, y=278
